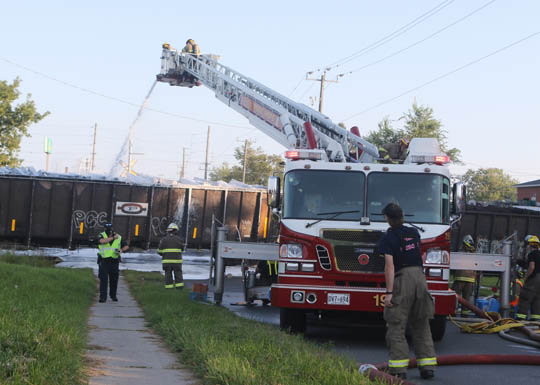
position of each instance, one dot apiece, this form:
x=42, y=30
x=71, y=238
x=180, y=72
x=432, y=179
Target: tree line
x=253, y=165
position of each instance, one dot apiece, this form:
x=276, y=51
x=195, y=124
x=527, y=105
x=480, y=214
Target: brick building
x=528, y=191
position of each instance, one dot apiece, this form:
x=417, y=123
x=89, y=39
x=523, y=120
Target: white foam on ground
x=196, y=264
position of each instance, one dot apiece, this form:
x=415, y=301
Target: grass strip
x=43, y=321
x=226, y=349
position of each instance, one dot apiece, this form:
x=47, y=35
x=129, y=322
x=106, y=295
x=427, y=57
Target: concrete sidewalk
x=122, y=350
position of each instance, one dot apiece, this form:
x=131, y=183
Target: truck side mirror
x=273, y=191
x=459, y=198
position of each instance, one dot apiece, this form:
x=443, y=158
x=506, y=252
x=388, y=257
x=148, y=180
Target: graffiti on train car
x=90, y=219
x=159, y=226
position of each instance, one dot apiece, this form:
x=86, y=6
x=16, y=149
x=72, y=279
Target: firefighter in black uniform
x=110, y=246
x=170, y=249
x=407, y=298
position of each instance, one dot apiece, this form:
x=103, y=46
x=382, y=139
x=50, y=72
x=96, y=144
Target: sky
x=474, y=62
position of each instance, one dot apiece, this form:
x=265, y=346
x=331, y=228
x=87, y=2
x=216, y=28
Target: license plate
x=338, y=299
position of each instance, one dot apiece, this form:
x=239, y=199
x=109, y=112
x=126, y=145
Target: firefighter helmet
x=172, y=227
x=468, y=242
x=405, y=141
x=534, y=240
x=107, y=226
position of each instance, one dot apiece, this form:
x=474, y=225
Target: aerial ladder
x=293, y=125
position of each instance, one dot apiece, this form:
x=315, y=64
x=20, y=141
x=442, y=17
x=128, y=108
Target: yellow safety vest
x=108, y=250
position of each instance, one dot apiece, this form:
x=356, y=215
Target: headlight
x=290, y=250
x=437, y=256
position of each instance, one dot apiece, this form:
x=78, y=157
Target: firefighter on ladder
x=170, y=249
x=464, y=279
x=394, y=152
x=192, y=48
x=529, y=297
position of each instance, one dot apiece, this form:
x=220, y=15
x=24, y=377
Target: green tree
x=259, y=166
x=489, y=185
x=14, y=121
x=420, y=123
x=385, y=133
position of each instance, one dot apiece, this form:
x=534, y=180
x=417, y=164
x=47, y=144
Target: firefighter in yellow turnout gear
x=464, y=280
x=170, y=249
x=407, y=299
x=529, y=297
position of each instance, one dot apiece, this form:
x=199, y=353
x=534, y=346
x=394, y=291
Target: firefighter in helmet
x=192, y=48
x=464, y=279
x=394, y=152
x=170, y=249
x=529, y=296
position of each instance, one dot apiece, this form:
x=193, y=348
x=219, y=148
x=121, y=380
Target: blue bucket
x=482, y=303
x=493, y=305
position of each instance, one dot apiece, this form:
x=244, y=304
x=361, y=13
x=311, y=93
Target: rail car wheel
x=292, y=319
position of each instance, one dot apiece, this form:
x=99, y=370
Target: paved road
x=367, y=345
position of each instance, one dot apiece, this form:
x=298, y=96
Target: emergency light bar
x=437, y=159
x=303, y=154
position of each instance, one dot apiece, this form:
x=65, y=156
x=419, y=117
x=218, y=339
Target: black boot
x=401, y=376
x=427, y=373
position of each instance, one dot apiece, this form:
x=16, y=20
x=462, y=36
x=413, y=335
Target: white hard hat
x=172, y=227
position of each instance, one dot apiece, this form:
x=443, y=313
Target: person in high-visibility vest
x=529, y=297
x=170, y=249
x=110, y=246
x=464, y=280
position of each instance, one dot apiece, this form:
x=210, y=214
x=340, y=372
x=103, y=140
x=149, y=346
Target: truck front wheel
x=438, y=327
x=293, y=320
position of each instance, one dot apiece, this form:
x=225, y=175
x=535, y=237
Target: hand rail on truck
x=236, y=250
x=489, y=262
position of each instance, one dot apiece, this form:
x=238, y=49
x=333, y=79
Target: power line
x=419, y=41
x=386, y=39
x=116, y=99
x=444, y=75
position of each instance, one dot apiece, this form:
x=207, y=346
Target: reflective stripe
x=465, y=279
x=535, y=316
x=398, y=363
x=431, y=361
x=170, y=251
x=270, y=263
x=171, y=261
x=169, y=286
x=181, y=284
x=521, y=316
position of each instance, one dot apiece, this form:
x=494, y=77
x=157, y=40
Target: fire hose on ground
x=490, y=322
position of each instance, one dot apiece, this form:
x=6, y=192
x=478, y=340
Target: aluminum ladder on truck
x=294, y=125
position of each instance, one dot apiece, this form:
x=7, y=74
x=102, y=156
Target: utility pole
x=93, y=164
x=207, y=149
x=47, y=149
x=182, y=172
x=130, y=149
x=322, y=80
x=245, y=162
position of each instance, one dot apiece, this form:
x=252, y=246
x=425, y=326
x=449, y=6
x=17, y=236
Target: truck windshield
x=424, y=198
x=311, y=193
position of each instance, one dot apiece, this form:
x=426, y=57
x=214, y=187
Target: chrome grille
x=348, y=245
x=324, y=257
